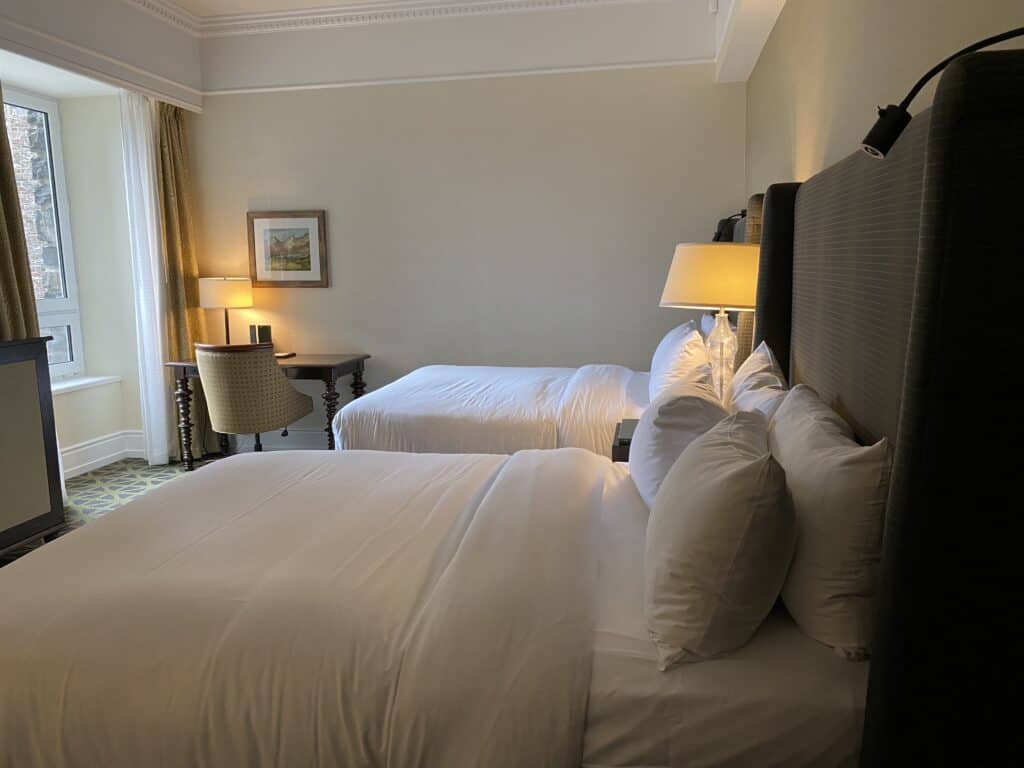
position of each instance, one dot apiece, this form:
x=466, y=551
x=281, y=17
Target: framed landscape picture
x=288, y=249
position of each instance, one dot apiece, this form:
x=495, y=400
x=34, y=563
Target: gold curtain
x=186, y=321
x=18, y=319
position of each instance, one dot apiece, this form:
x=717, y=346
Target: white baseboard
x=100, y=451
x=303, y=439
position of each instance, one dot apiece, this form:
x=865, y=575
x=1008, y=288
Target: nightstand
x=623, y=437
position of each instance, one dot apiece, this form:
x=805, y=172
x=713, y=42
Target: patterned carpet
x=95, y=493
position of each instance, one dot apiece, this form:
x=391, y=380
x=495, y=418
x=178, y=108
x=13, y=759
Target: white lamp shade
x=225, y=292
x=712, y=276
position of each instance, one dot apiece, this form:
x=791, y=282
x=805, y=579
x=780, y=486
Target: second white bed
x=482, y=409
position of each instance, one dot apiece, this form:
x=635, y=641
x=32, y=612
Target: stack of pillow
x=763, y=496
x=679, y=354
x=758, y=384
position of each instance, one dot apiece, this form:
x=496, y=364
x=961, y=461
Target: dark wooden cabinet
x=31, y=502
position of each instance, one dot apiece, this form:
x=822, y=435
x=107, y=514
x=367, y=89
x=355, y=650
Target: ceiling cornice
x=349, y=14
x=170, y=13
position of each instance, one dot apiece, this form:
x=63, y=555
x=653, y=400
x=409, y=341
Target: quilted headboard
x=747, y=230
x=893, y=289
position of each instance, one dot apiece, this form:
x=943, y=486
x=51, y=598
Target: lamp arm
x=724, y=223
x=1008, y=35
x=893, y=119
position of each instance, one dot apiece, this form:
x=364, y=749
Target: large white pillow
x=759, y=384
x=839, y=491
x=678, y=354
x=677, y=417
x=719, y=541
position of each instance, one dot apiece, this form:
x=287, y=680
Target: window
x=33, y=126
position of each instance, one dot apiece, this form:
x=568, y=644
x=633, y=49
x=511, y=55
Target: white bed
x=366, y=608
x=478, y=409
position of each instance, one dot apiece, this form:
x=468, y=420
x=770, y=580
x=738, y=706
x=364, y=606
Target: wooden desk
x=325, y=368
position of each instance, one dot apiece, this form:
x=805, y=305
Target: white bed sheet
x=488, y=409
x=782, y=700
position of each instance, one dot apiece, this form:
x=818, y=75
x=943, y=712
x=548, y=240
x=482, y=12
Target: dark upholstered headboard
x=854, y=253
x=893, y=289
x=747, y=230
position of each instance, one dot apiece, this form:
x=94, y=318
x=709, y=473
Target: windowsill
x=75, y=383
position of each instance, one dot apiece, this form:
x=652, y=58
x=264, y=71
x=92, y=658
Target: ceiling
x=183, y=50
x=30, y=75
x=210, y=8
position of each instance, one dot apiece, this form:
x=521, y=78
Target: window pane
x=60, y=349
x=29, y=133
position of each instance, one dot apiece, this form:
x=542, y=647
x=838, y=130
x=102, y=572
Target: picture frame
x=288, y=249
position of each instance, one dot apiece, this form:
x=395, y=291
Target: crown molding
x=350, y=14
x=170, y=13
x=87, y=60
x=482, y=75
x=744, y=35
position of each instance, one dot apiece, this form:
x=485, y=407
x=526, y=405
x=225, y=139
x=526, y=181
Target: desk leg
x=358, y=385
x=183, y=394
x=330, y=397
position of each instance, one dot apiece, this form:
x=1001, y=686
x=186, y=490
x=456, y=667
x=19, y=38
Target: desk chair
x=246, y=391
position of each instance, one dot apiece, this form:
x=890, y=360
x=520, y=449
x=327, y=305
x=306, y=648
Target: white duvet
x=313, y=609
x=473, y=409
x=376, y=609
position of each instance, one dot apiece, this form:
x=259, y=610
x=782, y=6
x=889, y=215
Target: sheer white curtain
x=138, y=130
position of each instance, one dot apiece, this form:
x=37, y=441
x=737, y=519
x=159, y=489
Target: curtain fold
x=138, y=130
x=186, y=321
x=18, y=319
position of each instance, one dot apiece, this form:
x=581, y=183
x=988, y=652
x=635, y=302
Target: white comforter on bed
x=474, y=409
x=303, y=609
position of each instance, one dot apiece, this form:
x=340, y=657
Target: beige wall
x=519, y=221
x=99, y=228
x=828, y=63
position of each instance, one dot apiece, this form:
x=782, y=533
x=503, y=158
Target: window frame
x=65, y=311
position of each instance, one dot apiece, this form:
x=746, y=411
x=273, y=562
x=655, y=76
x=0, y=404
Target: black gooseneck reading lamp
x=894, y=118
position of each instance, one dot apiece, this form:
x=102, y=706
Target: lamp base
x=721, y=346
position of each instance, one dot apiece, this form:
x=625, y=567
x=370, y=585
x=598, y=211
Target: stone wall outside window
x=28, y=133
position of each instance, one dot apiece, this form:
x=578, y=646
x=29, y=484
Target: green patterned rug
x=95, y=493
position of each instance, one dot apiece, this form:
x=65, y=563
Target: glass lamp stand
x=722, y=345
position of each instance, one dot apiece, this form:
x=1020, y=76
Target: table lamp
x=715, y=276
x=225, y=293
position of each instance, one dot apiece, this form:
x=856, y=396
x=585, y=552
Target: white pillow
x=719, y=541
x=759, y=384
x=679, y=415
x=678, y=354
x=839, y=491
